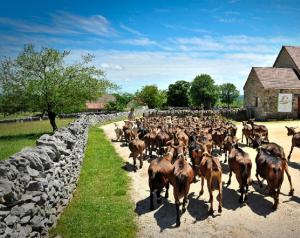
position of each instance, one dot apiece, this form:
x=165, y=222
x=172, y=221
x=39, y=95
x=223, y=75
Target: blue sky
x=156, y=42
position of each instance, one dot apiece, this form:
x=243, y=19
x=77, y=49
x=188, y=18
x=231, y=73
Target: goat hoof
x=183, y=210
x=177, y=223
x=220, y=210
x=240, y=200
x=211, y=212
x=201, y=193
x=291, y=193
x=274, y=207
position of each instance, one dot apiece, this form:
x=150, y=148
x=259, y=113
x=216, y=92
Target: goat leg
x=202, y=184
x=291, y=193
x=158, y=197
x=229, y=179
x=289, y=157
x=167, y=190
x=242, y=194
x=151, y=200
x=259, y=182
x=183, y=204
x=177, y=214
x=220, y=196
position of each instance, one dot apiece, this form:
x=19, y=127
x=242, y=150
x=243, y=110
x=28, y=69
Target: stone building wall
x=37, y=183
x=268, y=100
x=252, y=89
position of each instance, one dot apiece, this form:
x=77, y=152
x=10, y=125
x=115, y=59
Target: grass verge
x=101, y=206
x=16, y=136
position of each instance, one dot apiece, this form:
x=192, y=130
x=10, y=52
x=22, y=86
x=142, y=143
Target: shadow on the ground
x=258, y=203
x=197, y=207
x=231, y=198
x=128, y=167
x=31, y=136
x=143, y=206
x=294, y=165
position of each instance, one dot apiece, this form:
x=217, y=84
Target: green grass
x=101, y=206
x=15, y=136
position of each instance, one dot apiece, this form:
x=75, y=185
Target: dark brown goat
x=240, y=163
x=278, y=151
x=295, y=139
x=160, y=171
x=259, y=129
x=271, y=168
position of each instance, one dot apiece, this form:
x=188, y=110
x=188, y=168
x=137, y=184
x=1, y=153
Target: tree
x=228, y=93
x=122, y=99
x=45, y=83
x=178, y=94
x=204, y=91
x=151, y=96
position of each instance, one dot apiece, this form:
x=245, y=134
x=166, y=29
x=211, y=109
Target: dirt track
x=256, y=219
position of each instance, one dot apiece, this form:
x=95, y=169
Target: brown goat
x=277, y=151
x=295, y=139
x=182, y=178
x=240, y=163
x=271, y=168
x=160, y=170
x=210, y=169
x=247, y=132
x=259, y=129
x=137, y=148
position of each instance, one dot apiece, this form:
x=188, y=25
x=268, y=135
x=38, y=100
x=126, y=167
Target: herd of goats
x=204, y=139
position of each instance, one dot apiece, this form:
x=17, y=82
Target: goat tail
x=215, y=184
x=181, y=182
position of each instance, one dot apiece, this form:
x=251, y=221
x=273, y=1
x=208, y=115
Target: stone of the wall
x=235, y=114
x=37, y=183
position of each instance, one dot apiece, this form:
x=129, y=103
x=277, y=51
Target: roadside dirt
x=255, y=219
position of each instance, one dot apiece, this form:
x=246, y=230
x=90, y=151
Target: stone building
x=274, y=92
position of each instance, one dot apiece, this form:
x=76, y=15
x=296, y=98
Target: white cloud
x=64, y=23
x=162, y=68
x=132, y=31
x=109, y=66
x=138, y=42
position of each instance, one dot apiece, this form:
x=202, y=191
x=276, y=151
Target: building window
x=256, y=101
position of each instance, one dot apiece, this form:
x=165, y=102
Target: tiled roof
x=100, y=103
x=282, y=78
x=294, y=52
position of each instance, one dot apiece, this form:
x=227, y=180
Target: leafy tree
x=178, y=94
x=122, y=99
x=204, y=91
x=228, y=93
x=45, y=83
x=151, y=96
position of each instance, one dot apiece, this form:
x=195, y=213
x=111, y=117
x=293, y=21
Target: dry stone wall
x=37, y=183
